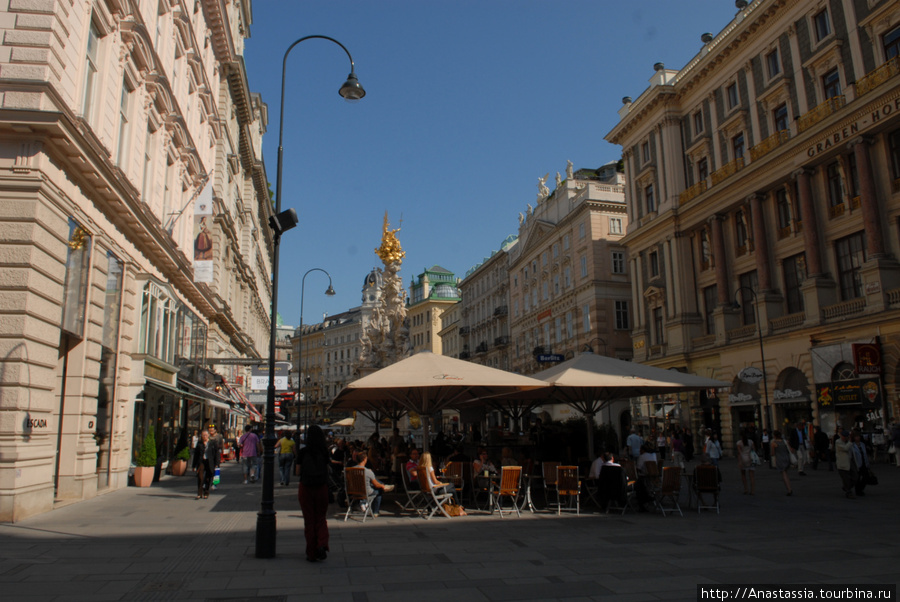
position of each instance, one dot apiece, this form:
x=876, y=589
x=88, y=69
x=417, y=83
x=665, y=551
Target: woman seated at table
x=426, y=471
x=482, y=463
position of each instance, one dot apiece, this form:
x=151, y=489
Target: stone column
x=718, y=243
x=810, y=227
x=868, y=199
x=760, y=242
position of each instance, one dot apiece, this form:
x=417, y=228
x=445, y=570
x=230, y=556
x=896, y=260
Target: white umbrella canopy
x=426, y=383
x=588, y=382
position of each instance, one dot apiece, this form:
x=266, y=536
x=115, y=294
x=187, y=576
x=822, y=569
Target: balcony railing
x=788, y=321
x=784, y=232
x=893, y=296
x=844, y=308
x=836, y=211
x=727, y=170
x=502, y=310
x=463, y=331
x=704, y=341
x=690, y=193
x=769, y=144
x=482, y=347
x=819, y=113
x=501, y=341
x=742, y=332
x=875, y=78
x=855, y=202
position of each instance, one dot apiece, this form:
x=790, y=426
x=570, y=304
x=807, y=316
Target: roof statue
x=558, y=180
x=543, y=191
x=570, y=173
x=390, y=250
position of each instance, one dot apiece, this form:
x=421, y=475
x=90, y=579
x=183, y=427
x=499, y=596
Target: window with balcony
x=794, y=269
x=821, y=25
x=891, y=43
x=850, y=253
x=831, y=83
x=780, y=119
x=702, y=169
x=773, y=64
x=737, y=147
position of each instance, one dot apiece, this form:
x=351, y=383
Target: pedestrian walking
x=767, y=449
x=250, y=450
x=861, y=460
x=285, y=447
x=713, y=448
x=782, y=454
x=205, y=461
x=746, y=450
x=314, y=460
x=845, y=464
x=797, y=440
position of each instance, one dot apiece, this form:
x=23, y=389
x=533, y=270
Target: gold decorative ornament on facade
x=390, y=250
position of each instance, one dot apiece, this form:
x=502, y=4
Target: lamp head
x=330, y=292
x=352, y=90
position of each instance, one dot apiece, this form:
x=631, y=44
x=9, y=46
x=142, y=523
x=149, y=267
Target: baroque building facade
x=114, y=135
x=762, y=191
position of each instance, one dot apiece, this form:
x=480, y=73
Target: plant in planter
x=146, y=461
x=179, y=465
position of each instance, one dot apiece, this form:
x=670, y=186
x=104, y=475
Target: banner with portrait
x=203, y=236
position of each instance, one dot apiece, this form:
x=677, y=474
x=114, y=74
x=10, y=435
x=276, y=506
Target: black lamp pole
x=763, y=416
x=281, y=222
x=330, y=293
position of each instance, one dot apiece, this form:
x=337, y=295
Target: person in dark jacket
x=314, y=461
x=205, y=461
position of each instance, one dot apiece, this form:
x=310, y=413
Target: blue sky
x=468, y=103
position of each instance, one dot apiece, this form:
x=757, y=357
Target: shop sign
x=550, y=357
x=740, y=398
x=787, y=394
x=750, y=375
x=866, y=358
x=864, y=392
x=851, y=130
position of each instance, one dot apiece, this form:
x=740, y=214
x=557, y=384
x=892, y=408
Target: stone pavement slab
x=162, y=544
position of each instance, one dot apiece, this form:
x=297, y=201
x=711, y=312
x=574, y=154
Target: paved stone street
x=162, y=544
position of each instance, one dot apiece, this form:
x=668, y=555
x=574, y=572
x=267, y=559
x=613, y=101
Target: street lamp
x=281, y=222
x=764, y=418
x=330, y=293
x=589, y=349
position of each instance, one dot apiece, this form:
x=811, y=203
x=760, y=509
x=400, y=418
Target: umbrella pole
x=425, y=432
x=589, y=422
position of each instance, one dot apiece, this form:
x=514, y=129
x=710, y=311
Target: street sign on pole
x=259, y=380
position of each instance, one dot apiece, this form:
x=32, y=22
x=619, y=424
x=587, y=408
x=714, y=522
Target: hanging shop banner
x=861, y=392
x=866, y=358
x=203, y=239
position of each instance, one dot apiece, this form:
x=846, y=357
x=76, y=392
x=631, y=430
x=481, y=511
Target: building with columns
x=135, y=247
x=764, y=205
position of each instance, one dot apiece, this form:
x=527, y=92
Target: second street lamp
x=330, y=293
x=763, y=414
x=351, y=90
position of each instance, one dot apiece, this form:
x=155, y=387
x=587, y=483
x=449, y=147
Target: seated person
x=604, y=459
x=482, y=463
x=459, y=456
x=412, y=468
x=646, y=456
x=426, y=471
x=375, y=489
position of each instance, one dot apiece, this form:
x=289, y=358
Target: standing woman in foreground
x=205, y=461
x=313, y=493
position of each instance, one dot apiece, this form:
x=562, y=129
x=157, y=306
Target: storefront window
x=112, y=309
x=78, y=262
x=158, y=323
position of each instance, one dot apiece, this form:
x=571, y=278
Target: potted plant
x=179, y=465
x=146, y=461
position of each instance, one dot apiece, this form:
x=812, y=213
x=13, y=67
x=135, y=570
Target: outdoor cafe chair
x=434, y=501
x=614, y=489
x=525, y=490
x=510, y=483
x=415, y=499
x=706, y=482
x=670, y=490
x=357, y=498
x=453, y=473
x=548, y=471
x=569, y=486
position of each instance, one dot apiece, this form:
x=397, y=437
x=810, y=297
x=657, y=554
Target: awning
x=159, y=384
x=213, y=398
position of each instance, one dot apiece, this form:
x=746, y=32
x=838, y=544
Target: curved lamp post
x=330, y=292
x=589, y=349
x=763, y=417
x=280, y=223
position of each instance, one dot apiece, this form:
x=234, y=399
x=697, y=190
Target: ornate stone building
x=133, y=211
x=765, y=172
x=430, y=295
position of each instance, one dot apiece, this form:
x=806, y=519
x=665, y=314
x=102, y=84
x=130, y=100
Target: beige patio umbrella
x=426, y=383
x=589, y=382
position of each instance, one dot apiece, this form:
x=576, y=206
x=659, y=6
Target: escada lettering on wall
x=854, y=128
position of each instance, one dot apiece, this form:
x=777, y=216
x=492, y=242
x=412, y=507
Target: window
x=581, y=230
x=557, y=328
x=90, y=71
x=773, y=65
x=780, y=117
x=645, y=152
x=75, y=288
x=794, y=274
x=894, y=144
x=158, y=316
x=586, y=318
x=515, y=281
x=740, y=230
x=783, y=206
x=853, y=175
x=567, y=277
x=615, y=225
x=851, y=254
x=584, y=268
x=658, y=337
x=555, y=251
x=891, y=43
x=749, y=285
x=835, y=185
x=124, y=130
x=698, y=122
x=710, y=298
x=526, y=274
x=821, y=25
x=649, y=198
x=556, y=284
x=544, y=259
x=566, y=242
x=731, y=95
x=618, y=262
x=705, y=252
x=546, y=290
x=622, y=315
x=702, y=169
x=570, y=327
x=654, y=264
x=737, y=147
x=831, y=83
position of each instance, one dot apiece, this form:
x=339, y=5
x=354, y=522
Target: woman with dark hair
x=205, y=461
x=314, y=460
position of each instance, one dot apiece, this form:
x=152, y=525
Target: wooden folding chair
x=355, y=484
x=548, y=470
x=510, y=483
x=415, y=499
x=568, y=485
x=434, y=501
x=670, y=490
x=706, y=482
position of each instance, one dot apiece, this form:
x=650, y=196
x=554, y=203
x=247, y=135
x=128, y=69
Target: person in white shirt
x=604, y=459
